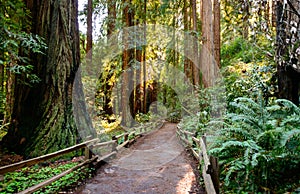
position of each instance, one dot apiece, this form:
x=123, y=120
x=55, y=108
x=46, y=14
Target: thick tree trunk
x=127, y=75
x=207, y=51
x=288, y=59
x=43, y=114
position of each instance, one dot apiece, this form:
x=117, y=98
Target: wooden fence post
x=87, y=153
x=215, y=173
x=214, y=170
x=115, y=145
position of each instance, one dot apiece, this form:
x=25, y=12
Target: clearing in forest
x=156, y=163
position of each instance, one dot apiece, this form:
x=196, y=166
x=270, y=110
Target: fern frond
x=287, y=136
x=293, y=120
x=245, y=118
x=289, y=104
x=243, y=108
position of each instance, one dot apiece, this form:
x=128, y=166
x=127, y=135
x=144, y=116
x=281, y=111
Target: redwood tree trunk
x=89, y=33
x=187, y=43
x=42, y=116
x=126, y=58
x=195, y=64
x=217, y=32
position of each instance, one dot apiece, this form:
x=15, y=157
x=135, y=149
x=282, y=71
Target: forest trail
x=157, y=163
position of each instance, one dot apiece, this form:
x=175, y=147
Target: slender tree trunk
x=217, y=37
x=43, y=114
x=138, y=76
x=144, y=69
x=195, y=64
x=2, y=93
x=89, y=33
x=107, y=88
x=245, y=32
x=187, y=42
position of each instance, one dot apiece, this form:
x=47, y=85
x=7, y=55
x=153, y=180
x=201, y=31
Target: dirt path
x=156, y=163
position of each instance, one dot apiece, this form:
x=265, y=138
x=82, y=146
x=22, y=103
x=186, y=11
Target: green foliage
x=259, y=147
x=3, y=129
x=249, y=68
x=27, y=177
x=15, y=44
x=249, y=80
x=143, y=118
x=237, y=50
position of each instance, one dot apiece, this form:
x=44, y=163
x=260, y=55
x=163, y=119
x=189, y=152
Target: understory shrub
x=258, y=146
x=27, y=177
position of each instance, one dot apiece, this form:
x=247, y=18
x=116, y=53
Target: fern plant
x=259, y=147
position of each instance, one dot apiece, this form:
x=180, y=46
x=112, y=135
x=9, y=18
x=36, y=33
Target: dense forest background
x=229, y=69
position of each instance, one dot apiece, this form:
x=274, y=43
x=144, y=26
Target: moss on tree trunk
x=42, y=117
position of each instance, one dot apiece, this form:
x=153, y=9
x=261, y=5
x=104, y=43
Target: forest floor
x=156, y=163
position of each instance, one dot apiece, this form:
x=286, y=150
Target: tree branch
x=293, y=8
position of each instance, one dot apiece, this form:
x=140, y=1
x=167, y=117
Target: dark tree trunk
x=42, y=115
x=288, y=68
x=89, y=33
x=143, y=65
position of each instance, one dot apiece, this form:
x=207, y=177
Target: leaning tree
x=42, y=118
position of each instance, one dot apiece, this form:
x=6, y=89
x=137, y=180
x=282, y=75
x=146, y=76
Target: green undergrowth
x=20, y=180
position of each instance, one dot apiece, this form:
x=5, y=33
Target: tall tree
x=288, y=50
x=187, y=43
x=207, y=51
x=111, y=27
x=89, y=33
x=42, y=117
x=144, y=69
x=126, y=59
x=217, y=31
x=195, y=64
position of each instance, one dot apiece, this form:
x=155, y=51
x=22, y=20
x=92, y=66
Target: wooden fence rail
x=210, y=168
x=33, y=161
x=90, y=157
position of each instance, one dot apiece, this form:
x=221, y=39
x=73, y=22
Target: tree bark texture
x=207, y=51
x=187, y=42
x=126, y=59
x=195, y=64
x=42, y=115
x=217, y=32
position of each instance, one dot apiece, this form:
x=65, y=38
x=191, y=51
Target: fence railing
x=209, y=164
x=96, y=158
